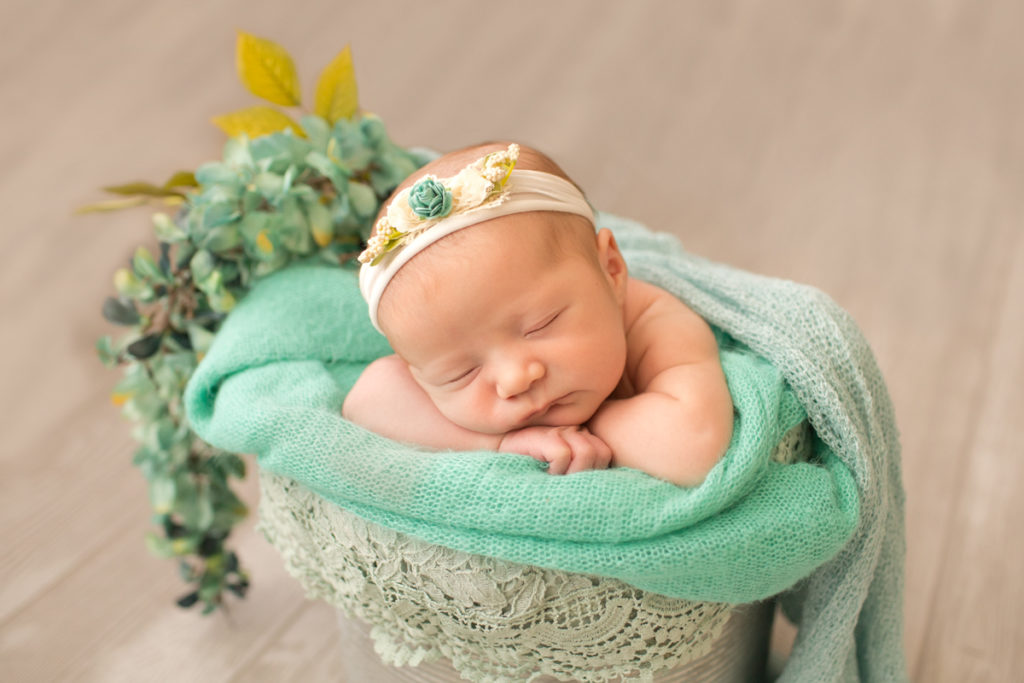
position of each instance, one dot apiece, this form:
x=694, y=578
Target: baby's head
x=508, y=307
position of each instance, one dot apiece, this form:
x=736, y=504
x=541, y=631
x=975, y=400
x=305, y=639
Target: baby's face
x=504, y=332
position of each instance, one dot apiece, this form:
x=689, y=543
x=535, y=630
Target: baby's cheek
x=462, y=409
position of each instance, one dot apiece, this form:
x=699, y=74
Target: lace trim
x=494, y=620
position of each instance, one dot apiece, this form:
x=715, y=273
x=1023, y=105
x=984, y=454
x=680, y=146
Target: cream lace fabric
x=494, y=620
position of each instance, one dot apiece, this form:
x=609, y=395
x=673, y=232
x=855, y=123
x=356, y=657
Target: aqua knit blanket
x=828, y=533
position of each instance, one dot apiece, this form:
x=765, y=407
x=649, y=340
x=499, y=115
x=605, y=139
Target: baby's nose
x=515, y=378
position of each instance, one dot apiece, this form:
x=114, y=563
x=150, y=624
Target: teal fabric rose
x=430, y=199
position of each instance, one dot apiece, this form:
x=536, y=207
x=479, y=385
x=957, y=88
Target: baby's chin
x=563, y=416
x=497, y=428
x=575, y=412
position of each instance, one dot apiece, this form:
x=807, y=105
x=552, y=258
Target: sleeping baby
x=516, y=328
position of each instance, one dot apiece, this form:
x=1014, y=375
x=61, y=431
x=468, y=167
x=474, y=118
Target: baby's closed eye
x=543, y=324
x=459, y=377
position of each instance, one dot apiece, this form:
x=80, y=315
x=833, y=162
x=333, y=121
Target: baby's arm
x=678, y=423
x=387, y=400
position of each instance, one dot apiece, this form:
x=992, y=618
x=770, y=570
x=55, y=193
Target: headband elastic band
x=523, y=191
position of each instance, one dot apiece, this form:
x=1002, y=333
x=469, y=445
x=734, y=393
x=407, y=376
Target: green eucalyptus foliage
x=267, y=202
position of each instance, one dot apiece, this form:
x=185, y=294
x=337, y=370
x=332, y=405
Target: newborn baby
x=517, y=328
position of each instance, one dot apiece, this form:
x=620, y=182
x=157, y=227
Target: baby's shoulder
x=650, y=306
x=662, y=330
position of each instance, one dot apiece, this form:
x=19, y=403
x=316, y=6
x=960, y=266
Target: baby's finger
x=603, y=452
x=557, y=452
x=584, y=450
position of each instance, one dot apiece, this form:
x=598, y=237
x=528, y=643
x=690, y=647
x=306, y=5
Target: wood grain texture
x=874, y=151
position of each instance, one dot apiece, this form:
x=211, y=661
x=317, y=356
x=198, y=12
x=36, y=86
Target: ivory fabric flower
x=400, y=215
x=469, y=188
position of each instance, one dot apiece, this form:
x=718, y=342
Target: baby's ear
x=612, y=262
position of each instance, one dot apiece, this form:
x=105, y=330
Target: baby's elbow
x=701, y=454
x=368, y=398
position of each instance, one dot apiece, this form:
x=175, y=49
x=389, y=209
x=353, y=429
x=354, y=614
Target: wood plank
x=64, y=507
x=296, y=654
x=114, y=617
x=975, y=630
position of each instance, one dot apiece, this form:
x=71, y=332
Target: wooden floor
x=875, y=152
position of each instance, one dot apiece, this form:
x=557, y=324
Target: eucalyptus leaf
x=222, y=238
x=106, y=351
x=294, y=230
x=205, y=512
x=363, y=199
x=288, y=178
x=270, y=186
x=162, y=493
x=165, y=260
x=321, y=227
x=219, y=213
x=277, y=151
x=166, y=229
x=186, y=499
x=372, y=128
x=145, y=347
x=222, y=301
x=316, y=130
x=202, y=265
x=158, y=546
x=120, y=311
x=145, y=406
x=187, y=574
x=188, y=599
x=128, y=285
x=329, y=169
x=229, y=463
x=237, y=153
x=183, y=254
x=215, y=173
x=201, y=338
x=145, y=266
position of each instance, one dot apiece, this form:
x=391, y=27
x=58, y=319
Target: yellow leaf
x=267, y=70
x=256, y=121
x=119, y=399
x=264, y=243
x=111, y=205
x=336, y=93
x=182, y=179
x=321, y=236
x=124, y=279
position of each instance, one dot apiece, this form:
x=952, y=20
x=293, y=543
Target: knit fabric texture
x=828, y=532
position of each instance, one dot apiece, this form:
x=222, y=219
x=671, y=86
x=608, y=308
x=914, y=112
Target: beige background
x=876, y=152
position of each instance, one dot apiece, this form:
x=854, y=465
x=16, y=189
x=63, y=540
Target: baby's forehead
x=518, y=247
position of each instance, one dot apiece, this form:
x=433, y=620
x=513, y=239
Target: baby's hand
x=565, y=449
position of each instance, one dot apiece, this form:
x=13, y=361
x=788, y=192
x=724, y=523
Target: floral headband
x=433, y=208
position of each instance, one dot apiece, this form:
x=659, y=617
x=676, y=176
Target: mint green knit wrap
x=274, y=381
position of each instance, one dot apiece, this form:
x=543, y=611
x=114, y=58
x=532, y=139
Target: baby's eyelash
x=544, y=324
x=464, y=375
